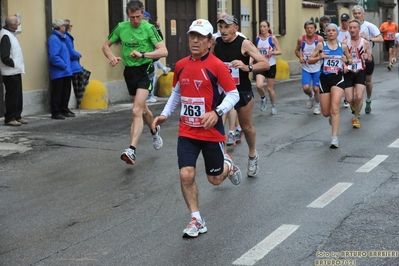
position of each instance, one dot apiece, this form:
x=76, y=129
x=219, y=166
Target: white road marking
x=266, y=245
x=394, y=144
x=372, y=164
x=330, y=195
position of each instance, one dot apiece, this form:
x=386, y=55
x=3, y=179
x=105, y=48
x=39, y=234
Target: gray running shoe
x=310, y=102
x=129, y=156
x=334, y=143
x=274, y=110
x=231, y=139
x=252, y=170
x=263, y=104
x=234, y=174
x=194, y=228
x=157, y=141
x=238, y=136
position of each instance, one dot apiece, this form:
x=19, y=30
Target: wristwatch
x=250, y=68
x=142, y=54
x=218, y=111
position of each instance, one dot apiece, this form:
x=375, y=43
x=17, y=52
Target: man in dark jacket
x=324, y=21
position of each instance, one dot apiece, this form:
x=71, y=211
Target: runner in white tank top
x=355, y=73
x=268, y=46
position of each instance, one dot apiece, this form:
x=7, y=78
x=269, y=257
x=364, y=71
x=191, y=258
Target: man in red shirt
x=205, y=90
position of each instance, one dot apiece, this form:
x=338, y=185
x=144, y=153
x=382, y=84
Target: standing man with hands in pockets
x=199, y=85
x=138, y=38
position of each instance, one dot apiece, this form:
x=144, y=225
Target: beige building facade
x=93, y=20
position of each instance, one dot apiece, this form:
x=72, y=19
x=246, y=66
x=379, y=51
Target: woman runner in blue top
x=333, y=55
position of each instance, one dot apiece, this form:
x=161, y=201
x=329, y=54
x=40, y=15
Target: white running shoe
x=157, y=141
x=252, y=170
x=151, y=100
x=129, y=156
x=194, y=228
x=316, y=110
x=310, y=102
x=346, y=104
x=234, y=174
x=334, y=143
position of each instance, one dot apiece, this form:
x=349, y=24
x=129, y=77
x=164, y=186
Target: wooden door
x=179, y=14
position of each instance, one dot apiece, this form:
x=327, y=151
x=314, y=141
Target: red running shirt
x=201, y=82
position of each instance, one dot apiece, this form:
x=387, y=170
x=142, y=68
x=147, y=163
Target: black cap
x=345, y=16
x=389, y=17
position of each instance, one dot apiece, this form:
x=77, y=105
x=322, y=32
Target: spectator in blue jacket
x=75, y=59
x=60, y=71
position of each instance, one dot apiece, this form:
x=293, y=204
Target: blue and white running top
x=266, y=48
x=307, y=50
x=332, y=63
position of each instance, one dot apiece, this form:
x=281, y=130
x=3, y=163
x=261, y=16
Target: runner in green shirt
x=138, y=39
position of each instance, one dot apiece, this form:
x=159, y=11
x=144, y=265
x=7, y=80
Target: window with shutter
x=115, y=13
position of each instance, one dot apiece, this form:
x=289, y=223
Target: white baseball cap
x=202, y=26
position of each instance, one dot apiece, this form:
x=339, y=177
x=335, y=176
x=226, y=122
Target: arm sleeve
x=5, y=48
x=229, y=101
x=173, y=102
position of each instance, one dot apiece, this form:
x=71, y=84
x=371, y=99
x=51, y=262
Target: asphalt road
x=67, y=198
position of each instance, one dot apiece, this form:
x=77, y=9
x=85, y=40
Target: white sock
x=197, y=215
x=238, y=128
x=227, y=162
x=231, y=131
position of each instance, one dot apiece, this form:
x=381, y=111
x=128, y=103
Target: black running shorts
x=138, y=78
x=188, y=150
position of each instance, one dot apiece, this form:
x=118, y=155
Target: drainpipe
x=49, y=17
x=48, y=12
x=254, y=22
